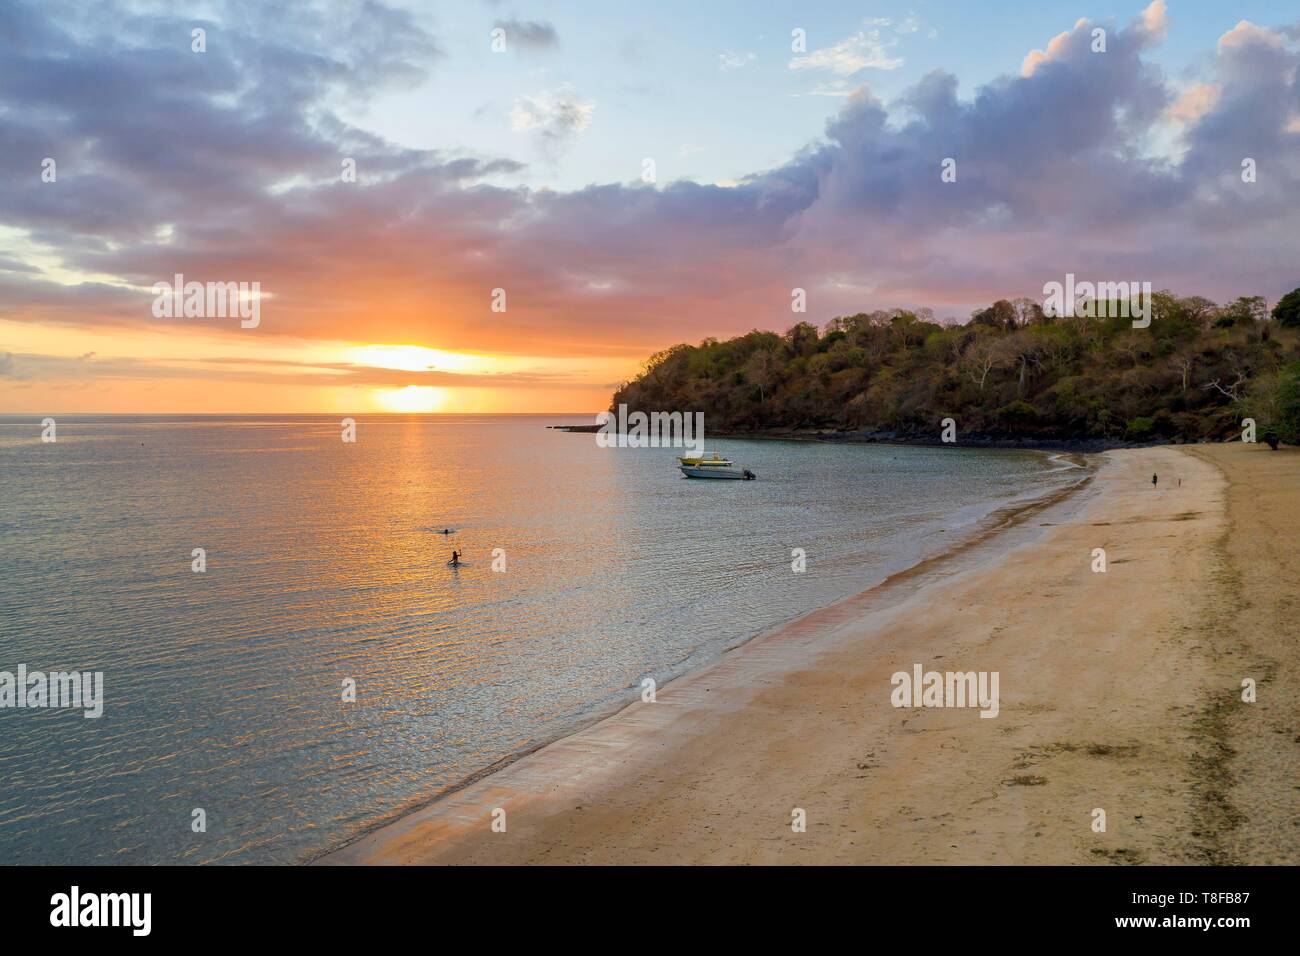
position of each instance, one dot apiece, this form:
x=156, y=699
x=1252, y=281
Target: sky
x=486, y=206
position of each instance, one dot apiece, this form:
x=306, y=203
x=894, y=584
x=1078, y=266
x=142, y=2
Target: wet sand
x=1119, y=691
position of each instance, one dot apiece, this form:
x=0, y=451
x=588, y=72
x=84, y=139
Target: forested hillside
x=1010, y=372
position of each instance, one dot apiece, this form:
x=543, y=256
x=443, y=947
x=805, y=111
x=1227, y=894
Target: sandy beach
x=1119, y=691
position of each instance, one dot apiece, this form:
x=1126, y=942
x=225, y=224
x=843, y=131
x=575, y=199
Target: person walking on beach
x=1154, y=479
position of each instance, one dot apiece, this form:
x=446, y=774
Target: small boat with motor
x=713, y=469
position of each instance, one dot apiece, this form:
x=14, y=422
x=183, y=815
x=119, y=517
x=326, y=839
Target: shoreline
x=983, y=531
x=1085, y=446
x=1120, y=693
x=987, y=532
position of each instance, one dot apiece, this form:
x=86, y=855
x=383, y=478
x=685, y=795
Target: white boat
x=714, y=469
x=712, y=461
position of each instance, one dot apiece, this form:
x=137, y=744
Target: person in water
x=455, y=557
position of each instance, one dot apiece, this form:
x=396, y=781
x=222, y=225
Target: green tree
x=1287, y=311
x=1286, y=405
x=1003, y=375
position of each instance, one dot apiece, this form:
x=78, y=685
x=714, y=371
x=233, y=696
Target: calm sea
x=223, y=689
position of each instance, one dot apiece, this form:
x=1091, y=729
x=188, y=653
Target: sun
x=412, y=398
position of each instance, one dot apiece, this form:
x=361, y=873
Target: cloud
x=226, y=168
x=1193, y=103
x=1155, y=20
x=1150, y=26
x=837, y=89
x=1246, y=34
x=531, y=35
x=59, y=368
x=735, y=61
x=865, y=49
x=553, y=117
x=1055, y=47
x=10, y=264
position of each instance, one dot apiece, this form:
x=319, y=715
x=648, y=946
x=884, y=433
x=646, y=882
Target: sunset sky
x=522, y=170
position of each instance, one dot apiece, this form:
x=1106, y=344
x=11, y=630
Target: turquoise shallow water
x=223, y=689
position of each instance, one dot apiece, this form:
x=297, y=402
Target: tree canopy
x=1011, y=372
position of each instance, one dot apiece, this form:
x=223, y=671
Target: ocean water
x=224, y=689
